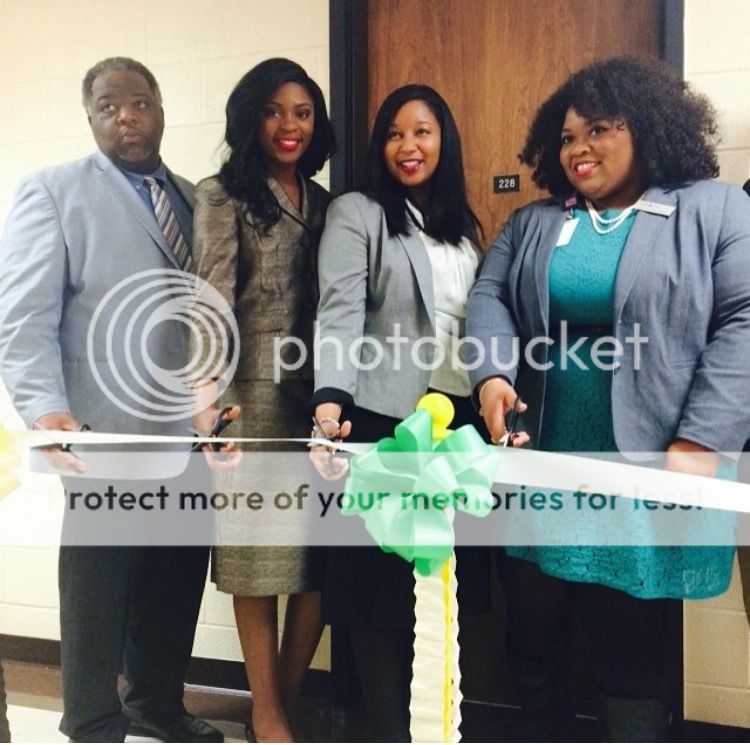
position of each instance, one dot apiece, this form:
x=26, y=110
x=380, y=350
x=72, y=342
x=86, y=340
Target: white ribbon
x=514, y=466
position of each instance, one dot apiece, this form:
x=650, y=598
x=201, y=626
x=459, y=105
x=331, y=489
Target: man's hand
x=59, y=459
x=496, y=399
x=684, y=456
x=205, y=408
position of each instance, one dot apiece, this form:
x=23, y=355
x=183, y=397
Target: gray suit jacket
x=74, y=232
x=684, y=278
x=374, y=287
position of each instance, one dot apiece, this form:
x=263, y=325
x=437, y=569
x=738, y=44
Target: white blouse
x=454, y=269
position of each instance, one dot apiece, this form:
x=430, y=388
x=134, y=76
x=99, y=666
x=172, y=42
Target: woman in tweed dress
x=257, y=226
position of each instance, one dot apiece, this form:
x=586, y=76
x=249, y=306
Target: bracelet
x=318, y=431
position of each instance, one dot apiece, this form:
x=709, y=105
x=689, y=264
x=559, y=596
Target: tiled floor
x=29, y=724
x=34, y=725
x=34, y=705
x=34, y=713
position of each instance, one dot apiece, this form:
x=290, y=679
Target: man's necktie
x=167, y=220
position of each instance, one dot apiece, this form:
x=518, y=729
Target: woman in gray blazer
x=636, y=242
x=396, y=264
x=257, y=226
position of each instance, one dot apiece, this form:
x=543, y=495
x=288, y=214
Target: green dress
x=578, y=417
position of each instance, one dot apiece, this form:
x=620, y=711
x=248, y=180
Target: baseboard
x=203, y=672
x=707, y=732
x=480, y=718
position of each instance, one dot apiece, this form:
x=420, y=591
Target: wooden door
x=495, y=61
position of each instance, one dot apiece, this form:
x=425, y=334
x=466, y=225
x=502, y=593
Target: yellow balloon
x=442, y=412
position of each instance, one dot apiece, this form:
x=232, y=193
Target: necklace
x=603, y=225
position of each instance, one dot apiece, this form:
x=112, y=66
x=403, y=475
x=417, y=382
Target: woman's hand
x=206, y=414
x=684, y=456
x=496, y=399
x=328, y=426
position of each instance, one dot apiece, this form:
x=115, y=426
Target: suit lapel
x=126, y=195
x=640, y=243
x=420, y=263
x=286, y=204
x=186, y=189
x=549, y=232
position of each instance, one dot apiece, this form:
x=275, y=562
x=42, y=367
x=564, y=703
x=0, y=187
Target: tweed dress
x=269, y=279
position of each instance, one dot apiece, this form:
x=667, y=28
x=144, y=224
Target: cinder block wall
x=717, y=658
x=197, y=51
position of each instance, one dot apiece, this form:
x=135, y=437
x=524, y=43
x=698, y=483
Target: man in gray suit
x=75, y=233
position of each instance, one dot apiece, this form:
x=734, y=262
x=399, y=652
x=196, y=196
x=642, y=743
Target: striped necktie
x=167, y=221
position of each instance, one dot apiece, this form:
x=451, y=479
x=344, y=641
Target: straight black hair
x=243, y=174
x=448, y=216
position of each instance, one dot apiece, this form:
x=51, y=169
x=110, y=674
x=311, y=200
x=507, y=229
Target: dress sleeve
x=215, y=253
x=33, y=282
x=490, y=323
x=717, y=411
x=343, y=274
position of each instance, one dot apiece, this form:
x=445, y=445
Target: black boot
x=546, y=712
x=635, y=720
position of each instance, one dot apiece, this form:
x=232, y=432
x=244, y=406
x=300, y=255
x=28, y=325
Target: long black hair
x=673, y=127
x=243, y=174
x=448, y=217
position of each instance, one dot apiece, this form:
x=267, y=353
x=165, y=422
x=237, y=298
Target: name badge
x=665, y=210
x=568, y=228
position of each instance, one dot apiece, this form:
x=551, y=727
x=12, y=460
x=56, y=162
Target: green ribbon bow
x=406, y=489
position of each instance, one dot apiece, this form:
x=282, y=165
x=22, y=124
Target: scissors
x=510, y=425
x=319, y=427
x=219, y=427
x=65, y=447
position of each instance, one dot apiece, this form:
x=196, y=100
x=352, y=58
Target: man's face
x=127, y=120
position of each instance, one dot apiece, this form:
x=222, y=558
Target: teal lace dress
x=578, y=417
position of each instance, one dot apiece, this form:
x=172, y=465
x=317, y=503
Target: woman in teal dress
x=635, y=241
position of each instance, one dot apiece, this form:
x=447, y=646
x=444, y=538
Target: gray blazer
x=73, y=233
x=376, y=293
x=685, y=278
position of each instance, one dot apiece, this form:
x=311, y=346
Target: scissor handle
x=510, y=429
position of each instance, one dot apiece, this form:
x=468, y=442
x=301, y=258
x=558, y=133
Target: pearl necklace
x=604, y=225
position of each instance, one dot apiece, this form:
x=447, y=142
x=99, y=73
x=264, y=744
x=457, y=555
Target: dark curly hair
x=673, y=127
x=448, y=217
x=243, y=174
